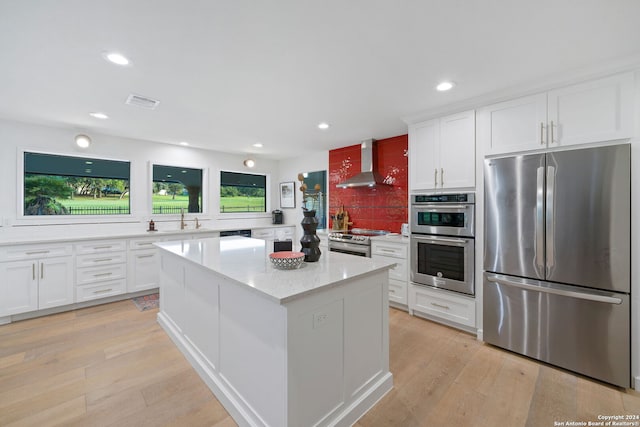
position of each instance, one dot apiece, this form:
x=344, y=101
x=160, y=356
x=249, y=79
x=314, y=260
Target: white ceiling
x=232, y=73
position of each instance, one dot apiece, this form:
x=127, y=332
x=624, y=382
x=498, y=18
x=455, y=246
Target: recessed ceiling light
x=116, y=58
x=99, y=115
x=257, y=145
x=323, y=126
x=444, y=86
x=184, y=143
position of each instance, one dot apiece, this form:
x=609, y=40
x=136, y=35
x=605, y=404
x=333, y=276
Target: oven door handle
x=439, y=208
x=441, y=239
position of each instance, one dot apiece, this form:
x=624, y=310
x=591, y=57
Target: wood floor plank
x=114, y=365
x=58, y=415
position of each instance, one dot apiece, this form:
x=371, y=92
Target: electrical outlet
x=319, y=319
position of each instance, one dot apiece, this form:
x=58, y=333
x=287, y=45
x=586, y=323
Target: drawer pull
x=391, y=291
x=103, y=274
x=146, y=256
x=102, y=291
x=446, y=307
x=145, y=244
x=103, y=247
x=37, y=252
x=103, y=260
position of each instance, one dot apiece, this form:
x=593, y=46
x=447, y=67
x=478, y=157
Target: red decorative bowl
x=286, y=260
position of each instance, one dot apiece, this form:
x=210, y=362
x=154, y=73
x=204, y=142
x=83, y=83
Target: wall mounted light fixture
x=83, y=141
x=249, y=163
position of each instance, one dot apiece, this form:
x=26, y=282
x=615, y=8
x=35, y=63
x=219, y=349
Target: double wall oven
x=442, y=241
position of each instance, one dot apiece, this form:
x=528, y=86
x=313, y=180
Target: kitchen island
x=279, y=347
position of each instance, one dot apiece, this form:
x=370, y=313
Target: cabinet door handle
x=440, y=305
x=552, y=137
x=102, y=274
x=42, y=270
x=102, y=291
x=435, y=177
x=441, y=177
x=103, y=260
x=145, y=256
x=541, y=133
x=37, y=252
x=33, y=271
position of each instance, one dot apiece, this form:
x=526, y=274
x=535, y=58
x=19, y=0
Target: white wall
x=635, y=241
x=16, y=136
x=289, y=170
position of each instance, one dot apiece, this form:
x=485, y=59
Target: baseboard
x=75, y=306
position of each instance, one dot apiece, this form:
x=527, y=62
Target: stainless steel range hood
x=369, y=177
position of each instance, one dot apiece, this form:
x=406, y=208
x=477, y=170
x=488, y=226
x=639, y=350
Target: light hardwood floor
x=113, y=365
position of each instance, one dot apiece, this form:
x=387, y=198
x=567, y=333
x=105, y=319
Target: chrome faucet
x=198, y=225
x=183, y=224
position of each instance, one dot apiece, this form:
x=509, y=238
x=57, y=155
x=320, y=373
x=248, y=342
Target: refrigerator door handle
x=550, y=218
x=579, y=295
x=539, y=225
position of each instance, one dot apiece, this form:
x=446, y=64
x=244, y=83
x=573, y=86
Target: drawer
x=19, y=252
x=395, y=250
x=398, y=291
x=99, y=274
x=102, y=290
x=443, y=304
x=142, y=243
x=108, y=258
x=399, y=272
x=263, y=233
x=99, y=246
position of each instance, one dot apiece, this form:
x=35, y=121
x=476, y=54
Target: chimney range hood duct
x=369, y=177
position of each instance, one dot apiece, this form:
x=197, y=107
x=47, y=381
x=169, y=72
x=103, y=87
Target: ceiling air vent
x=142, y=101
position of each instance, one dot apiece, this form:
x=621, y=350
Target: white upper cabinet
x=442, y=153
x=424, y=151
x=598, y=110
x=458, y=150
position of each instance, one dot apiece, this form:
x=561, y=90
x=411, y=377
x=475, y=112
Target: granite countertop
x=246, y=261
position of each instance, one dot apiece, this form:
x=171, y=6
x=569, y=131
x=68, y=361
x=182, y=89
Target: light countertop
x=391, y=237
x=33, y=235
x=246, y=261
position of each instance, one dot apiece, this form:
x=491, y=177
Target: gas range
x=356, y=241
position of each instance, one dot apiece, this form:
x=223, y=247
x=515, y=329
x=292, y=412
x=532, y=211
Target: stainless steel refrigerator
x=557, y=259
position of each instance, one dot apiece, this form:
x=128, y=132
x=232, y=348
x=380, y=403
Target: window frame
x=243, y=215
x=21, y=218
x=204, y=190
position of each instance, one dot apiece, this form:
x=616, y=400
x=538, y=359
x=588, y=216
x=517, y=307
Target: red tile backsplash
x=380, y=208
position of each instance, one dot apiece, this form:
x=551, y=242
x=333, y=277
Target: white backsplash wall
x=15, y=136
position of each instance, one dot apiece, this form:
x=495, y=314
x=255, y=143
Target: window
x=242, y=192
x=176, y=188
x=314, y=195
x=66, y=185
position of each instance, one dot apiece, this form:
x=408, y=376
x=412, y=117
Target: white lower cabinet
x=444, y=306
x=144, y=265
x=398, y=275
x=36, y=281
x=279, y=233
x=101, y=269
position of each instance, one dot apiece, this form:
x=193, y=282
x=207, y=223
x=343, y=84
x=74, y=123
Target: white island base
x=276, y=354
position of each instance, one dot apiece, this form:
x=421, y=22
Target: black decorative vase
x=310, y=241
